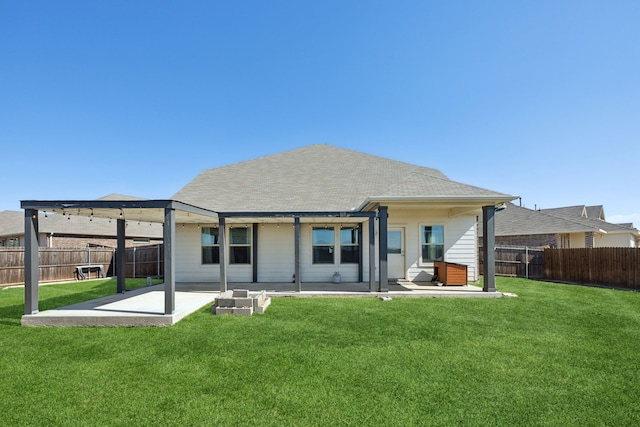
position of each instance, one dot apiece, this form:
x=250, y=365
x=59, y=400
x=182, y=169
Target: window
x=432, y=237
x=210, y=245
x=14, y=242
x=349, y=247
x=322, y=241
x=240, y=245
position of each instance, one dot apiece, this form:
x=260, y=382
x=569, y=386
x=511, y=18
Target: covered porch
x=170, y=213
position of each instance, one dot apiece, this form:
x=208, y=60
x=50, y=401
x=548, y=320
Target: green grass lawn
x=556, y=355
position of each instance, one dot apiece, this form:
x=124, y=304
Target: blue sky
x=539, y=99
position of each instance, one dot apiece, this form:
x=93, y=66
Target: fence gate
x=517, y=262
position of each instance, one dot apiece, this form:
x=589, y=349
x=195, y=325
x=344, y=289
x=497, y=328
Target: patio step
x=241, y=303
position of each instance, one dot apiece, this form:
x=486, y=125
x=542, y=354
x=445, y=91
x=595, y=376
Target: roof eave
x=371, y=202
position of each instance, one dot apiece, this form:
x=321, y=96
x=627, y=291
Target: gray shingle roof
x=595, y=212
x=567, y=211
x=317, y=178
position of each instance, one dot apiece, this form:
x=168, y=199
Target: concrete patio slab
x=145, y=306
x=140, y=307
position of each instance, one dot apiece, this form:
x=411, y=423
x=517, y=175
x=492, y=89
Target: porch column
x=169, y=236
x=121, y=256
x=31, y=264
x=372, y=254
x=255, y=253
x=384, y=272
x=222, y=250
x=360, y=253
x=296, y=232
x=489, y=245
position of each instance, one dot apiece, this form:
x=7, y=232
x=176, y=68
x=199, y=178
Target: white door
x=395, y=253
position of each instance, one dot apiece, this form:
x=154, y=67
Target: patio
x=145, y=306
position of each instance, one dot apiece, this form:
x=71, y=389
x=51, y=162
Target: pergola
x=172, y=212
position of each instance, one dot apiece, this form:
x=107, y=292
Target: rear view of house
x=306, y=215
x=335, y=193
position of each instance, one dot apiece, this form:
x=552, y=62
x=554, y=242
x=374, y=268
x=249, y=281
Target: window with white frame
x=323, y=244
x=432, y=241
x=239, y=245
x=349, y=245
x=210, y=245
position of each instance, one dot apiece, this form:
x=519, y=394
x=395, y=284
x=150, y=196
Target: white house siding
x=459, y=235
x=324, y=272
x=615, y=241
x=188, y=265
x=276, y=255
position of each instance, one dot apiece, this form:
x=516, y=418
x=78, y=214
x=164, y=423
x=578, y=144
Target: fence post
x=526, y=260
x=134, y=262
x=158, y=260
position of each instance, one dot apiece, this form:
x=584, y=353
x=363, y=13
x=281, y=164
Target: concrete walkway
x=145, y=306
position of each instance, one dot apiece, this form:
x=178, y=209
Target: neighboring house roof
x=516, y=220
x=9, y=220
x=320, y=178
x=567, y=211
x=594, y=212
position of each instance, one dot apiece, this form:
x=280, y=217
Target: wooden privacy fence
x=58, y=264
x=517, y=262
x=619, y=267
x=144, y=261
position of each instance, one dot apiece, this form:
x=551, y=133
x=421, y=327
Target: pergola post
x=121, y=256
x=489, y=244
x=31, y=264
x=169, y=236
x=254, y=257
x=382, y=237
x=296, y=232
x=372, y=254
x=222, y=250
x=360, y=254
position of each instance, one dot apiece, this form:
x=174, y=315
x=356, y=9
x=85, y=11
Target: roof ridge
x=332, y=147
